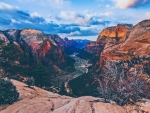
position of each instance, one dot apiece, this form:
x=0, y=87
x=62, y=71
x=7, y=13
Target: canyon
x=111, y=74
x=122, y=65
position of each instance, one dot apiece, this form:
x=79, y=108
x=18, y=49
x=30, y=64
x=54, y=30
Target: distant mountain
x=69, y=46
x=82, y=42
x=22, y=51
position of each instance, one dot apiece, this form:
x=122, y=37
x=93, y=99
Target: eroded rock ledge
x=36, y=100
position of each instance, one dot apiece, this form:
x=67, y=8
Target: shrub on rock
x=8, y=92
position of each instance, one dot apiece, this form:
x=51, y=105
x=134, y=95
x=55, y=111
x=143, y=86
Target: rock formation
x=36, y=100
x=94, y=48
x=69, y=46
x=131, y=42
x=21, y=51
x=123, y=65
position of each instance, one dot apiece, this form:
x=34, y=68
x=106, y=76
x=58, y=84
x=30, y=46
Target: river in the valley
x=81, y=66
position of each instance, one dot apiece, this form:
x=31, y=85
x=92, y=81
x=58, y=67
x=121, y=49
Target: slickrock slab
x=36, y=100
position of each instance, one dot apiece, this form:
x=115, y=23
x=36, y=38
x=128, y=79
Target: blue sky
x=71, y=18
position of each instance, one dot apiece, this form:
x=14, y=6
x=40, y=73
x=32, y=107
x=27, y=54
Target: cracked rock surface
x=36, y=100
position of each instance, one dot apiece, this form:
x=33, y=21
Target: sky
x=83, y=19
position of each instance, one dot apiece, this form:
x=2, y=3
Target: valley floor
x=81, y=67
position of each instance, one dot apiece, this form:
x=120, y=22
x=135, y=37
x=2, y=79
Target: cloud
x=84, y=20
x=72, y=24
x=107, y=6
x=76, y=18
x=35, y=14
x=59, y=1
x=52, y=3
x=4, y=6
x=147, y=15
x=18, y=16
x=106, y=14
x=124, y=4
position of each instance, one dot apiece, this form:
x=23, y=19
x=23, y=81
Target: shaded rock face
x=12, y=35
x=41, y=101
x=3, y=38
x=63, y=42
x=66, y=43
x=69, y=46
x=94, y=48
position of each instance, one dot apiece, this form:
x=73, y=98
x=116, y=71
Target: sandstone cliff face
x=38, y=45
x=3, y=38
x=37, y=100
x=126, y=57
x=94, y=48
x=132, y=43
x=114, y=35
x=138, y=42
x=29, y=47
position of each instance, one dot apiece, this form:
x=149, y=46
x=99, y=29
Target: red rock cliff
x=133, y=42
x=93, y=48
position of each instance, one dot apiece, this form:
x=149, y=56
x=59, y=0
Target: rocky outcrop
x=12, y=34
x=123, y=61
x=3, y=38
x=118, y=33
x=138, y=42
x=37, y=100
x=21, y=51
x=94, y=48
x=108, y=38
x=41, y=47
x=127, y=43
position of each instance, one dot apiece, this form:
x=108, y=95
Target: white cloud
x=74, y=33
x=69, y=34
x=4, y=6
x=147, y=15
x=26, y=21
x=106, y=14
x=58, y=2
x=107, y=6
x=35, y=14
x=123, y=4
x=13, y=20
x=76, y=18
x=53, y=3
